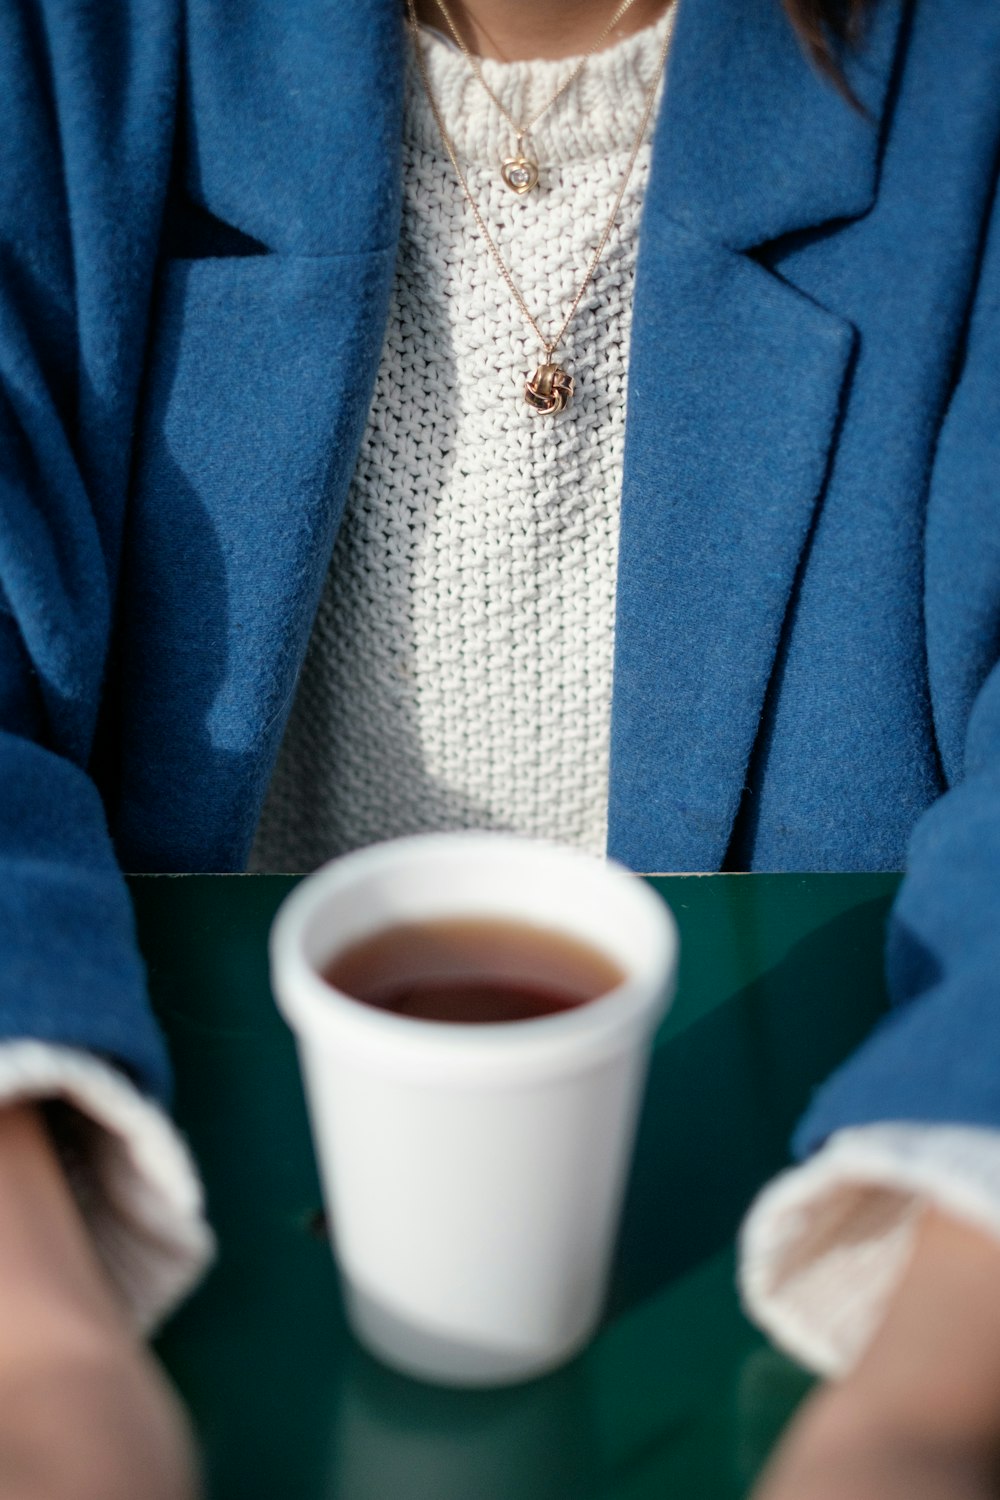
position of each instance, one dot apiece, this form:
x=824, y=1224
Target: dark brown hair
x=826, y=29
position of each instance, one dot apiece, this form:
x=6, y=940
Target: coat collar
x=294, y=119
x=751, y=142
x=295, y=114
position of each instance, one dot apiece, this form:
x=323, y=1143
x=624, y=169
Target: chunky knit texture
x=459, y=672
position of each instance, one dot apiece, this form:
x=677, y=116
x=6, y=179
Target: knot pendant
x=549, y=390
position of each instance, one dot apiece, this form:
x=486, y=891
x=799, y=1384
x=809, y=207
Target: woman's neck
x=512, y=30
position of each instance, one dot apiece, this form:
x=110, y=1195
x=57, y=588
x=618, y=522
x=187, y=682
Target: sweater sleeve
x=129, y=1169
x=825, y=1244
x=86, y=117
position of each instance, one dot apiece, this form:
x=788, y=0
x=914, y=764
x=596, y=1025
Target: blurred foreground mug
x=473, y=1172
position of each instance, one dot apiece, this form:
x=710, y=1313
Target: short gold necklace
x=520, y=170
x=550, y=388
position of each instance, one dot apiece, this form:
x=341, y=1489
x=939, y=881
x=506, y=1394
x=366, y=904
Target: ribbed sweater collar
x=597, y=116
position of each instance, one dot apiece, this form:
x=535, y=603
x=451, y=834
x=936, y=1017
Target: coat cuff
x=131, y=1173
x=825, y=1244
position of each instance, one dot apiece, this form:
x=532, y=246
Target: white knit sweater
x=459, y=673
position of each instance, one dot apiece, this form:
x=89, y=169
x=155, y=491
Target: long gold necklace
x=550, y=388
x=520, y=170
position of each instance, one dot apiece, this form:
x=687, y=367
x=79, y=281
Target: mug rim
x=322, y=1015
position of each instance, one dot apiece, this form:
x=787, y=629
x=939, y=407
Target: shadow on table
x=725, y=1095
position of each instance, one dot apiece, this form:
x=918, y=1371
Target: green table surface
x=678, y=1397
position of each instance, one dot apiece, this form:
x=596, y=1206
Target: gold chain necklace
x=520, y=171
x=550, y=388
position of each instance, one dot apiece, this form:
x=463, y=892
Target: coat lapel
x=262, y=357
x=736, y=384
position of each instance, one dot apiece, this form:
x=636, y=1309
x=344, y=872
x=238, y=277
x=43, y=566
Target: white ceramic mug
x=473, y=1174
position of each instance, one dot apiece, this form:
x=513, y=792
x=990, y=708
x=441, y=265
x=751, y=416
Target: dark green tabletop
x=678, y=1398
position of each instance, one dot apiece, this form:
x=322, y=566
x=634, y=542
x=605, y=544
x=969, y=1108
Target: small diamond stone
x=520, y=174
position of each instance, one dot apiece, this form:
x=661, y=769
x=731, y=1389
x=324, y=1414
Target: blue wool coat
x=199, y=208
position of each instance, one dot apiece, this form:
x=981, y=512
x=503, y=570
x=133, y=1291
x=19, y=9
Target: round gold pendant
x=549, y=390
x=520, y=174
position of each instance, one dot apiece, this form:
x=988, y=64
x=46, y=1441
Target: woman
x=250, y=322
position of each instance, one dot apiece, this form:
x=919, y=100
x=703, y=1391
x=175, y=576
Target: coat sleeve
x=936, y=1056
x=86, y=118
x=913, y=1118
x=87, y=95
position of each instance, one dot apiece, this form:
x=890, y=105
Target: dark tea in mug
x=476, y=970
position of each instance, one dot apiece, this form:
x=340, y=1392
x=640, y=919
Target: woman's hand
x=840, y=1449
x=94, y=1426
x=919, y=1419
x=84, y=1412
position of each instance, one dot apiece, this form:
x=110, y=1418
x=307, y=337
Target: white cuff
x=131, y=1173
x=825, y=1244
